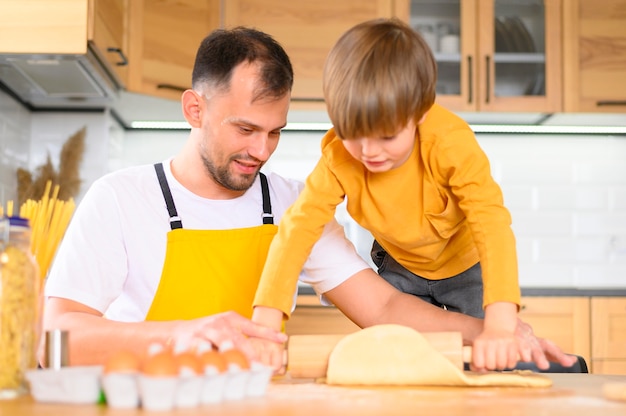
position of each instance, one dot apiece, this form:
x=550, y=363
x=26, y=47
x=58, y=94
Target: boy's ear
x=193, y=105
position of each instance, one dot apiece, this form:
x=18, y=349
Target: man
x=173, y=252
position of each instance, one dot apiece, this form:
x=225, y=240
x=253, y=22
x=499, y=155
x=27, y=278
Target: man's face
x=239, y=135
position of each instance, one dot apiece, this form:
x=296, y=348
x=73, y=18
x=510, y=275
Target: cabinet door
x=168, y=34
x=608, y=320
x=492, y=55
x=109, y=32
x=563, y=320
x=594, y=55
x=518, y=57
x=449, y=28
x=43, y=26
x=311, y=318
x=307, y=30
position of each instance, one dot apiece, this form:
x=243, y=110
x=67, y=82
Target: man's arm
x=367, y=299
x=93, y=338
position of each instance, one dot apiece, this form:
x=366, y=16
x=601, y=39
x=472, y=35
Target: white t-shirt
x=113, y=251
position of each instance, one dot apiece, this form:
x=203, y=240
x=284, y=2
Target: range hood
x=59, y=81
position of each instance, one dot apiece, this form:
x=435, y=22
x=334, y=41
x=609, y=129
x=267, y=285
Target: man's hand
x=228, y=327
x=542, y=351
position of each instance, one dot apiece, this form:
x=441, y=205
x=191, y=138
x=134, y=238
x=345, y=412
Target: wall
x=14, y=145
x=26, y=139
x=567, y=194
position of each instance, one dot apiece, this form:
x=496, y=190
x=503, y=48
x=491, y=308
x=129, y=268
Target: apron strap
x=175, y=221
x=268, y=218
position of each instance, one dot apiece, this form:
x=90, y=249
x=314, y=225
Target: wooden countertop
x=571, y=394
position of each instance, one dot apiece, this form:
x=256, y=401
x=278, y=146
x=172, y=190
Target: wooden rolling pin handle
x=307, y=355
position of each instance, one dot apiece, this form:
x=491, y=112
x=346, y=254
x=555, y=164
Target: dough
x=398, y=355
x=614, y=391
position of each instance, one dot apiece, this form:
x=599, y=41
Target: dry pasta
x=19, y=316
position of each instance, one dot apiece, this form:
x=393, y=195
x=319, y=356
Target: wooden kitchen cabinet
x=68, y=27
x=108, y=30
x=608, y=323
x=307, y=30
x=166, y=37
x=563, y=320
x=499, y=55
x=594, y=49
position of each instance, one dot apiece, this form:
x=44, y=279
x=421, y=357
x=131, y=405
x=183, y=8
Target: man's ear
x=193, y=105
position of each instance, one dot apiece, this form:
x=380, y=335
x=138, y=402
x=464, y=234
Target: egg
x=160, y=364
x=122, y=361
x=212, y=358
x=189, y=360
x=236, y=357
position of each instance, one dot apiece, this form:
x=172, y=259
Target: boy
x=415, y=177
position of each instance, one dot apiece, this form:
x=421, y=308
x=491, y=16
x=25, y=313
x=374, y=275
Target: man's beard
x=222, y=175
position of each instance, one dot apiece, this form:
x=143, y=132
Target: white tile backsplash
x=566, y=194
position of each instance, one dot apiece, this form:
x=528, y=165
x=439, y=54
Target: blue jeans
x=461, y=293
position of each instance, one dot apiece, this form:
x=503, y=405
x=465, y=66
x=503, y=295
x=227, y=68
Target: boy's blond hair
x=379, y=75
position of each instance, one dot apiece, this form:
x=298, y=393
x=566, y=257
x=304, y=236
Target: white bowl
x=77, y=385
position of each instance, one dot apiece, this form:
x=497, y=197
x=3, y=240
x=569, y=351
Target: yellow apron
x=210, y=271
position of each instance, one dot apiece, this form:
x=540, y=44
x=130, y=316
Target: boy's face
x=380, y=154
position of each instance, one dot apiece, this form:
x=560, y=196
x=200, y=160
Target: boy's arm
x=266, y=316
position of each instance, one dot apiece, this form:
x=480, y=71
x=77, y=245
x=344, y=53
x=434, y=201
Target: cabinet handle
x=470, y=86
x=488, y=76
x=610, y=102
x=171, y=87
x=118, y=51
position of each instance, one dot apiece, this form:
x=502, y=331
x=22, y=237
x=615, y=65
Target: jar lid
x=18, y=222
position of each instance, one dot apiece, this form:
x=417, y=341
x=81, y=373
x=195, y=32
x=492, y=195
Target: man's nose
x=260, y=147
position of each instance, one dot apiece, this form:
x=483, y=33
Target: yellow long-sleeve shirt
x=437, y=215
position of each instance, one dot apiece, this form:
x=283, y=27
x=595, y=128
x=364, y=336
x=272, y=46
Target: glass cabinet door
x=451, y=36
x=519, y=53
x=439, y=23
x=493, y=55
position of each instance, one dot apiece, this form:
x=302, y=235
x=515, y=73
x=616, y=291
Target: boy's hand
x=497, y=347
x=270, y=353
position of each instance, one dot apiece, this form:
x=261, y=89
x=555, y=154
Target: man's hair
x=222, y=50
x=379, y=75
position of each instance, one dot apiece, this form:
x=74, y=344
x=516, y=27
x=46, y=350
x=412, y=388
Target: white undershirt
x=113, y=252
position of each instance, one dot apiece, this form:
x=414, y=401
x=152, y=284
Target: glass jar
x=20, y=306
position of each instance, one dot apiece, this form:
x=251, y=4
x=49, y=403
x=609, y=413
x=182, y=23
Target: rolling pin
x=307, y=355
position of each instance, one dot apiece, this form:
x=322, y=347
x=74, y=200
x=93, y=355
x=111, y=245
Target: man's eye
x=276, y=133
x=245, y=130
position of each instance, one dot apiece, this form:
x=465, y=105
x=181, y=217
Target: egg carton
x=84, y=385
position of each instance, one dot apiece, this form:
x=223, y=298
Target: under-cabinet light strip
x=478, y=128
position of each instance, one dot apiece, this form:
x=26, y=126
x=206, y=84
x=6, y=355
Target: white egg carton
x=83, y=385
x=186, y=390
x=78, y=385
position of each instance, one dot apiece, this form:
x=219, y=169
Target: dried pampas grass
x=67, y=178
